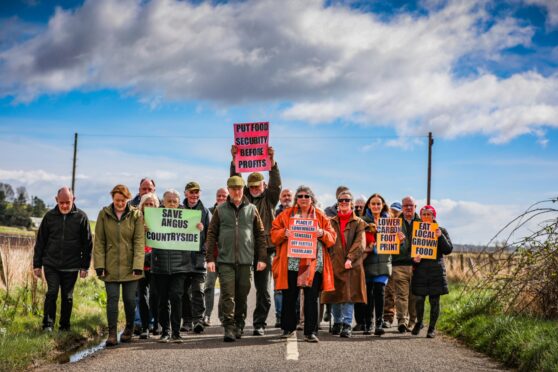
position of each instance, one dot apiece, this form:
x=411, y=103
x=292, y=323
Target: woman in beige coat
x=119, y=257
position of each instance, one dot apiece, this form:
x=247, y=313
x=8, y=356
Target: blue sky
x=351, y=89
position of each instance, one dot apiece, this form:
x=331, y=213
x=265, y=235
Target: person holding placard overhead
x=265, y=198
x=118, y=256
x=346, y=256
x=429, y=276
x=312, y=273
x=376, y=266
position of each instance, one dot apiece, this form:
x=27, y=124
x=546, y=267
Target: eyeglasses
x=303, y=196
x=358, y=206
x=344, y=200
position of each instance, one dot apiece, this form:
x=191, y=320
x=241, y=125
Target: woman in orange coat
x=312, y=274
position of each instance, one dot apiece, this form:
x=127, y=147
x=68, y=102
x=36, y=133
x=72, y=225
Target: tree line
x=17, y=208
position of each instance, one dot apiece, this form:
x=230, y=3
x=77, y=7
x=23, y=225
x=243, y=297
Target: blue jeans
x=278, y=297
x=342, y=313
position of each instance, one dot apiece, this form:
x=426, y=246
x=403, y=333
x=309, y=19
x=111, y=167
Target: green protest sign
x=172, y=229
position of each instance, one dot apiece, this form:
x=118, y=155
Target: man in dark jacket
x=193, y=306
x=63, y=248
x=265, y=198
x=236, y=227
x=403, y=268
x=146, y=186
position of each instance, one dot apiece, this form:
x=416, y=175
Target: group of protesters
x=245, y=233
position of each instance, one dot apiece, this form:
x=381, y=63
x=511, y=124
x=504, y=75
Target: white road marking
x=292, y=348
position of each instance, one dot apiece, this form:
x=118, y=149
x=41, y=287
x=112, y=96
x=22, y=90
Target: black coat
x=429, y=276
x=63, y=241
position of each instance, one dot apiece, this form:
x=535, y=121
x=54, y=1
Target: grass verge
x=23, y=343
x=526, y=343
x=16, y=231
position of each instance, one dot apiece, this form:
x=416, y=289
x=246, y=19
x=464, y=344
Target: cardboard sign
x=303, y=239
x=388, y=241
x=173, y=229
x=424, y=240
x=252, y=141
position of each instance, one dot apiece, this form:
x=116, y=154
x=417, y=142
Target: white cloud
x=328, y=62
x=551, y=7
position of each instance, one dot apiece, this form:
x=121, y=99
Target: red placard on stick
x=303, y=238
x=252, y=141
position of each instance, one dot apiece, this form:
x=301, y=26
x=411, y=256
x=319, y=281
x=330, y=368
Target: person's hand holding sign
x=260, y=266
x=320, y=232
x=211, y=267
x=401, y=236
x=200, y=226
x=287, y=233
x=348, y=265
x=416, y=259
x=233, y=151
x=438, y=232
x=271, y=154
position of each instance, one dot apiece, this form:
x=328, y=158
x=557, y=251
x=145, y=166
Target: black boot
x=345, y=331
x=417, y=328
x=379, y=328
x=336, y=329
x=431, y=332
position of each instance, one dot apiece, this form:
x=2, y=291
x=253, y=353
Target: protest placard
x=424, y=240
x=173, y=229
x=252, y=141
x=388, y=241
x=303, y=239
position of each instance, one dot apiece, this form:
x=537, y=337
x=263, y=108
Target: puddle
x=76, y=357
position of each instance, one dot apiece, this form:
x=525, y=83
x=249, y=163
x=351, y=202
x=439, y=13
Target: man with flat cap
x=237, y=229
x=265, y=198
x=193, y=306
x=63, y=250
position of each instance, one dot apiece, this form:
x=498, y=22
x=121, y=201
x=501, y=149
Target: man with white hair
x=63, y=249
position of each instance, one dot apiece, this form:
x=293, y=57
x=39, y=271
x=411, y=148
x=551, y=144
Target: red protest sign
x=252, y=141
x=303, y=238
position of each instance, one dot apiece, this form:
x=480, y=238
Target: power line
x=230, y=137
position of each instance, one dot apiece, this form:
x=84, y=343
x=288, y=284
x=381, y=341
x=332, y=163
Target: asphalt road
x=208, y=352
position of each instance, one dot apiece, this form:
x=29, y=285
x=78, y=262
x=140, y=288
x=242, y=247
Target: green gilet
x=236, y=234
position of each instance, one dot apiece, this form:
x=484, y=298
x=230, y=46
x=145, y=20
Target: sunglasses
x=344, y=200
x=303, y=196
x=358, y=207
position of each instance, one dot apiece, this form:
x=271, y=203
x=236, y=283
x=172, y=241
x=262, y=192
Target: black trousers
x=263, y=295
x=65, y=282
x=148, y=304
x=170, y=288
x=434, y=309
x=375, y=293
x=290, y=299
x=193, y=301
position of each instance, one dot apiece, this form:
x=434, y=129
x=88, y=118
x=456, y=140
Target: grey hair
x=146, y=197
x=173, y=192
x=410, y=198
x=361, y=199
x=308, y=190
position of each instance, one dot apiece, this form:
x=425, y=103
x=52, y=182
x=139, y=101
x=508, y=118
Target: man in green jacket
x=237, y=229
x=265, y=198
x=403, y=268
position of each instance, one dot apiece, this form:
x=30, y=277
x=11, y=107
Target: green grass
x=24, y=344
x=16, y=231
x=526, y=343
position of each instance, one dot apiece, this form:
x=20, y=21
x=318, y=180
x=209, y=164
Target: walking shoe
x=126, y=336
x=144, y=334
x=206, y=322
x=345, y=331
x=386, y=324
x=431, y=332
x=238, y=333
x=327, y=316
x=111, y=340
x=379, y=329
x=259, y=331
x=300, y=326
x=366, y=330
x=336, y=329
x=156, y=331
x=402, y=328
x=416, y=329
x=287, y=334
x=165, y=337
x=410, y=326
x=198, y=328
x=312, y=338
x=47, y=329
x=176, y=338
x=358, y=328
x=137, y=330
x=229, y=335
x=186, y=328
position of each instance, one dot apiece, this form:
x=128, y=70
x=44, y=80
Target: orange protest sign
x=388, y=241
x=303, y=239
x=424, y=241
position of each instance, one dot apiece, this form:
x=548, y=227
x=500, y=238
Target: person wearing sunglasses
x=346, y=256
x=429, y=276
x=360, y=203
x=311, y=274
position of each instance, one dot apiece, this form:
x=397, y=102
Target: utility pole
x=430, y=143
x=74, y=164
